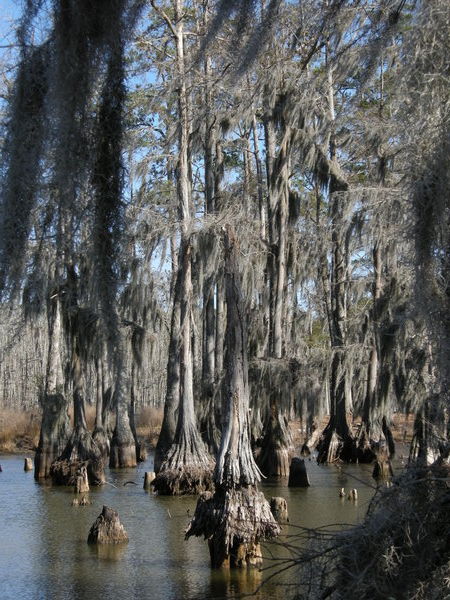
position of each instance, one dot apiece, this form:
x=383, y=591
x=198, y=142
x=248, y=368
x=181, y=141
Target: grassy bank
x=19, y=431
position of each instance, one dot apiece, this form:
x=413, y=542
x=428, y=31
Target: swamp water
x=44, y=553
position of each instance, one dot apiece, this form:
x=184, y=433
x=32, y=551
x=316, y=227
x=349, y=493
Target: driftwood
x=107, y=528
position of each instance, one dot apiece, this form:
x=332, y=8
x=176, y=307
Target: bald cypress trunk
x=186, y=467
x=172, y=399
x=277, y=444
x=336, y=441
x=237, y=516
x=100, y=433
x=55, y=425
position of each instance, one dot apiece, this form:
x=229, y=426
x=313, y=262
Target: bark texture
x=107, y=528
x=55, y=432
x=237, y=516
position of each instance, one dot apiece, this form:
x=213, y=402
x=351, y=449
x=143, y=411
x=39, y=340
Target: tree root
x=234, y=522
x=183, y=481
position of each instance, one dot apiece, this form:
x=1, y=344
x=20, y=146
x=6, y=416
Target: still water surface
x=44, y=554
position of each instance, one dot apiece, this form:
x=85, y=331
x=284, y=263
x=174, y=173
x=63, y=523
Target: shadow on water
x=44, y=551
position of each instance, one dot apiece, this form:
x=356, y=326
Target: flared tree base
x=374, y=442
x=274, y=461
x=183, y=481
x=123, y=454
x=234, y=522
x=81, y=450
x=276, y=448
x=333, y=447
x=55, y=432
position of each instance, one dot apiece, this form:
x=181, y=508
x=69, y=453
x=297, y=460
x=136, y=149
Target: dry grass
x=19, y=431
x=148, y=423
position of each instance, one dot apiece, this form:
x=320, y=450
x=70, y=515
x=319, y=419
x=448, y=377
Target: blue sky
x=9, y=11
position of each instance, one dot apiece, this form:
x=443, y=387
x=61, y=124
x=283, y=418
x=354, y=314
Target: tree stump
x=81, y=482
x=279, y=509
x=353, y=495
x=382, y=470
x=107, y=528
x=298, y=477
x=148, y=478
x=28, y=464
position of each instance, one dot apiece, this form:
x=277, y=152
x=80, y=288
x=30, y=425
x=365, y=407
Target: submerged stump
x=28, y=464
x=279, y=509
x=382, y=470
x=298, y=476
x=107, y=528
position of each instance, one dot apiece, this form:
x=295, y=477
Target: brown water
x=44, y=554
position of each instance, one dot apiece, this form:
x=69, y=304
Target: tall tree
x=237, y=516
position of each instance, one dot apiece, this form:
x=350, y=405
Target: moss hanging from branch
x=22, y=165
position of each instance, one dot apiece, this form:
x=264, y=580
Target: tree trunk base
x=369, y=445
x=66, y=472
x=234, y=522
x=55, y=432
x=311, y=443
x=141, y=452
x=274, y=462
x=81, y=450
x=332, y=448
x=123, y=454
x=81, y=481
x=240, y=556
x=183, y=481
x=382, y=470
